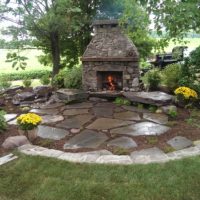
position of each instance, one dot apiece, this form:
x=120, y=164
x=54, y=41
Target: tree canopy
x=62, y=28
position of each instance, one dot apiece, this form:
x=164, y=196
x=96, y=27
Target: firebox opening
x=109, y=81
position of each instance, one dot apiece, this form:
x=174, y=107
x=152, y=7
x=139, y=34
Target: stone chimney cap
x=105, y=22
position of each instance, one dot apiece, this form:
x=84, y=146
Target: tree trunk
x=55, y=51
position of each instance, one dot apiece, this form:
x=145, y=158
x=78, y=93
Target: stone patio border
x=105, y=157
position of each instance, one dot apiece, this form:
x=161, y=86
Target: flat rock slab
x=148, y=155
x=152, y=98
x=75, y=122
x=13, y=122
x=7, y=158
x=72, y=112
x=86, y=139
x=103, y=111
x=9, y=117
x=107, y=123
x=69, y=95
x=52, y=106
x=45, y=111
x=48, y=132
x=114, y=159
x=79, y=106
x=122, y=142
x=157, y=118
x=127, y=115
x=102, y=152
x=179, y=142
x=49, y=119
x=105, y=104
x=142, y=129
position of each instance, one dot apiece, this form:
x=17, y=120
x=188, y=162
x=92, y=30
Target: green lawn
x=32, y=62
x=38, y=178
x=192, y=44
x=35, y=82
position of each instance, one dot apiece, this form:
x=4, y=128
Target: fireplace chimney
x=110, y=53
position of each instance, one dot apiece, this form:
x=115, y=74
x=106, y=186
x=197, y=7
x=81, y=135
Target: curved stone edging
x=104, y=157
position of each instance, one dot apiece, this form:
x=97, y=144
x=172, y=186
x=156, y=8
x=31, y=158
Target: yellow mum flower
x=186, y=92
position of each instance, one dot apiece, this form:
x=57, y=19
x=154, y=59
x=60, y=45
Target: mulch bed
x=179, y=127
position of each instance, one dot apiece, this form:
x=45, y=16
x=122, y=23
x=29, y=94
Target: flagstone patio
x=100, y=127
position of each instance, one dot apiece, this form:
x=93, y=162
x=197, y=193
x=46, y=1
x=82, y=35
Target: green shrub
x=195, y=57
x=153, y=79
x=4, y=82
x=152, y=108
x=3, y=124
x=27, y=82
x=58, y=79
x=171, y=75
x=35, y=74
x=172, y=114
x=45, y=79
x=122, y=101
x=73, y=78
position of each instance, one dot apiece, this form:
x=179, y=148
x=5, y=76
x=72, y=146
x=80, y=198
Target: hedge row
x=35, y=74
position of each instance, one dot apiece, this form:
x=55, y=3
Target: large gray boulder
x=15, y=141
x=43, y=91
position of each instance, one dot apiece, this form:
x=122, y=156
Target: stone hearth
x=110, y=62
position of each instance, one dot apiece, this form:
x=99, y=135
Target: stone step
x=153, y=98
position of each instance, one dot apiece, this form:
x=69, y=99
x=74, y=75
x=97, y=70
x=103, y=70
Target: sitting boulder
x=15, y=141
x=43, y=91
x=25, y=96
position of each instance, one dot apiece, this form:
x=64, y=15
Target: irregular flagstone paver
x=86, y=139
x=123, y=142
x=148, y=155
x=48, y=132
x=143, y=128
x=79, y=106
x=99, y=152
x=75, y=112
x=127, y=116
x=107, y=123
x=9, y=117
x=52, y=106
x=103, y=111
x=158, y=118
x=48, y=119
x=119, y=109
x=13, y=122
x=114, y=159
x=154, y=98
x=75, y=122
x=7, y=158
x=105, y=104
x=79, y=157
x=135, y=109
x=45, y=111
x=179, y=142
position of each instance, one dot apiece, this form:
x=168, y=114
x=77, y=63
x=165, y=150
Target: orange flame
x=111, y=84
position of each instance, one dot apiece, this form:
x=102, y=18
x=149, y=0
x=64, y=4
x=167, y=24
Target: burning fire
x=111, y=83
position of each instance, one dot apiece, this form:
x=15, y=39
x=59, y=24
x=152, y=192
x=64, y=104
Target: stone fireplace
x=110, y=62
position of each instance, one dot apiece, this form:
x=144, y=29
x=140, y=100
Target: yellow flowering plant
x=28, y=121
x=185, y=96
x=186, y=92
